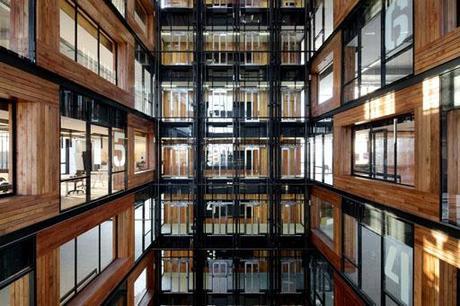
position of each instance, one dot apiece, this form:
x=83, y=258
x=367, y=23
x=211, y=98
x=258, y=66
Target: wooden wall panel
x=334, y=47
x=20, y=291
x=423, y=100
x=434, y=44
x=341, y=10
x=47, y=273
x=148, y=38
x=37, y=158
x=344, y=294
x=436, y=263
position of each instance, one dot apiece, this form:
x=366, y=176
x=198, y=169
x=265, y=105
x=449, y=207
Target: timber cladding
x=48, y=252
x=37, y=158
x=437, y=261
x=331, y=249
x=147, y=263
x=334, y=50
x=421, y=99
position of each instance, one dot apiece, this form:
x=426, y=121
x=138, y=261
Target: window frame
x=314, y=132
x=78, y=11
x=371, y=145
x=353, y=30
x=13, y=145
x=88, y=279
x=89, y=120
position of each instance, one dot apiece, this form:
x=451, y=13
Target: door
x=219, y=274
x=251, y=276
x=291, y=276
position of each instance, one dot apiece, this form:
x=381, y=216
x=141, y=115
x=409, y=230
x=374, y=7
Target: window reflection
x=15, y=26
x=140, y=151
x=326, y=219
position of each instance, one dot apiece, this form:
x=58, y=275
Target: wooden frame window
x=7, y=148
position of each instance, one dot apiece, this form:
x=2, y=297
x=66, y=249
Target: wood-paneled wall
x=423, y=100
x=147, y=37
x=37, y=158
x=436, y=262
x=341, y=10
x=435, y=44
x=334, y=47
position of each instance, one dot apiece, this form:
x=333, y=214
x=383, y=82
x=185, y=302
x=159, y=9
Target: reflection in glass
x=100, y=161
x=6, y=148
x=140, y=152
x=326, y=219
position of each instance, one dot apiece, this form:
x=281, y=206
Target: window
x=320, y=146
x=16, y=22
x=120, y=5
x=292, y=210
x=6, y=148
x=370, y=59
x=292, y=47
x=385, y=150
x=177, y=210
x=292, y=102
x=141, y=16
x=85, y=257
x=143, y=221
x=89, y=45
x=450, y=95
x=177, y=47
x=140, y=287
x=220, y=47
x=93, y=149
x=326, y=82
x=321, y=23
x=378, y=253
x=292, y=157
x=176, y=271
x=176, y=3
x=326, y=219
x=177, y=103
x=144, y=78
x=141, y=161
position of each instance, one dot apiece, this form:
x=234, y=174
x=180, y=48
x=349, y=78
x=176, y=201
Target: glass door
x=251, y=276
x=220, y=277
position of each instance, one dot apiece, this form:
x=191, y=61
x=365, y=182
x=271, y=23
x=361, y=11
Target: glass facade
x=378, y=253
x=377, y=52
x=321, y=22
x=320, y=151
x=93, y=149
x=144, y=78
x=144, y=221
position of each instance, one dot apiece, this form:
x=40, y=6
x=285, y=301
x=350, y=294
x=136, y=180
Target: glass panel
x=292, y=157
x=107, y=61
x=328, y=158
x=370, y=56
x=100, y=161
x=326, y=84
x=6, y=149
x=326, y=219
x=118, y=159
x=140, y=287
x=398, y=26
x=292, y=214
x=383, y=148
x=177, y=159
x=140, y=16
x=138, y=230
x=406, y=151
x=361, y=152
x=20, y=292
x=66, y=268
x=328, y=18
x=177, y=104
x=292, y=106
x=371, y=255
x=120, y=5
x=107, y=243
x=140, y=152
x=143, y=85
x=319, y=158
x=87, y=257
x=74, y=158
x=399, y=260
x=350, y=238
x=87, y=34
x=67, y=29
